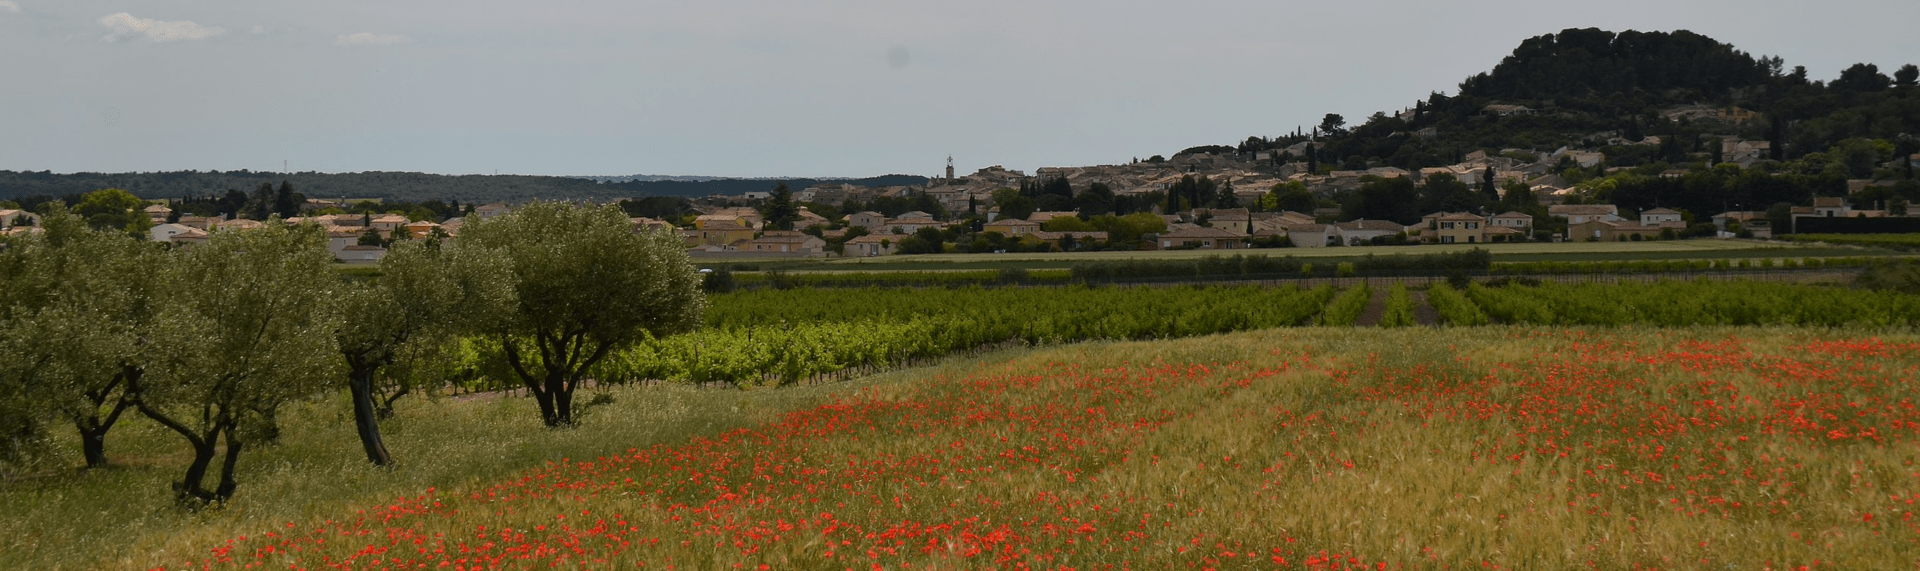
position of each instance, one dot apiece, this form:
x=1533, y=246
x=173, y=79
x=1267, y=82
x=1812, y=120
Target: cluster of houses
x=738, y=231
x=1760, y=226
x=346, y=233
x=741, y=231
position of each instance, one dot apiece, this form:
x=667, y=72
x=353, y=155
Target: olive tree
x=585, y=283
x=247, y=327
x=425, y=296
x=78, y=304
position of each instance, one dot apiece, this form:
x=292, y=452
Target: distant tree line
x=398, y=186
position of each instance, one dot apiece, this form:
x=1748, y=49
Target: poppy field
x=1300, y=448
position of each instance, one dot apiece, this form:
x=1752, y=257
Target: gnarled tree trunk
x=189, y=490
x=93, y=428
x=365, y=418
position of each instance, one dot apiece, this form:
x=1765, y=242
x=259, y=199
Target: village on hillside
x=1215, y=198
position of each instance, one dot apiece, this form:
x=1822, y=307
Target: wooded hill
x=1581, y=82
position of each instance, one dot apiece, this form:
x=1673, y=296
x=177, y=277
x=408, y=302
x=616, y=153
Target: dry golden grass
x=1412, y=448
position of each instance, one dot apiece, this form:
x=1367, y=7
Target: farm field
x=1503, y=253
x=1569, y=251
x=788, y=337
x=1896, y=241
x=1318, y=448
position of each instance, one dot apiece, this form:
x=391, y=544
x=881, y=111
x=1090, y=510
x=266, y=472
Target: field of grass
x=1525, y=252
x=1319, y=448
x=1908, y=241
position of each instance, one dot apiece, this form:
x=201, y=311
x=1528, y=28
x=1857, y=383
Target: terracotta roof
x=1203, y=232
x=1083, y=235
x=1045, y=216
x=799, y=239
x=1582, y=209
x=1371, y=225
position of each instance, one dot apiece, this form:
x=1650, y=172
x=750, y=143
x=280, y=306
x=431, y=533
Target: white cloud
x=124, y=25
x=9, y=6
x=369, y=39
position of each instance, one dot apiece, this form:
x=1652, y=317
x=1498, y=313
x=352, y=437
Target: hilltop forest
x=1585, y=81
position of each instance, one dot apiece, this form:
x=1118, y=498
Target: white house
x=872, y=221
x=1662, y=218
x=1515, y=220
x=166, y=232
x=1578, y=213
x=1311, y=235
x=10, y=218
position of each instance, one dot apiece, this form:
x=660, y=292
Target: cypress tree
x=283, y=203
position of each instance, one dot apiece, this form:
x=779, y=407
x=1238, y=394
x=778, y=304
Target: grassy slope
x=67, y=520
x=1525, y=448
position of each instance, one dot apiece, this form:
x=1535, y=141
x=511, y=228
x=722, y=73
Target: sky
x=763, y=88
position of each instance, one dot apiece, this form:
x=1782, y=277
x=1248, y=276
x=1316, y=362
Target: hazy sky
x=778, y=88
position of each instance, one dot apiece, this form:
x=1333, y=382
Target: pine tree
x=1777, y=139
x=260, y=205
x=1226, y=199
x=283, y=202
x=780, y=210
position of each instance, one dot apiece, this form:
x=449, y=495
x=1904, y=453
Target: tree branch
x=513, y=358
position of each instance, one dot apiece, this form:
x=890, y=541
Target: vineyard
x=1676, y=266
x=786, y=280
x=783, y=337
x=1694, y=303
x=791, y=336
x=1267, y=269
